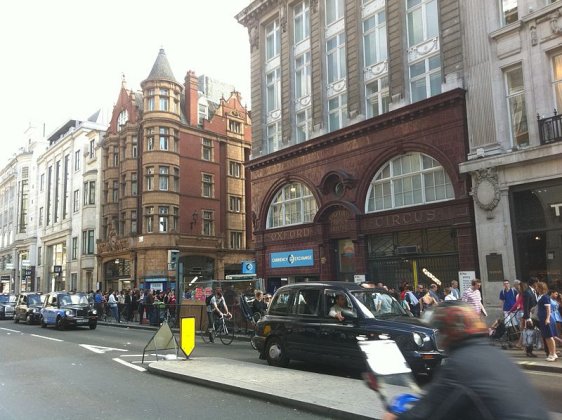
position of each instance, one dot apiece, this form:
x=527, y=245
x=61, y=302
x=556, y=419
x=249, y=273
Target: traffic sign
x=187, y=335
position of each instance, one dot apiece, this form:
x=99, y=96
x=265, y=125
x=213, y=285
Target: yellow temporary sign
x=187, y=334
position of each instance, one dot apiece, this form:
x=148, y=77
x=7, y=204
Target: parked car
x=28, y=307
x=63, y=309
x=7, y=304
x=298, y=326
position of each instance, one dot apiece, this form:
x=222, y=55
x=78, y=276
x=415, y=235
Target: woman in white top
x=448, y=294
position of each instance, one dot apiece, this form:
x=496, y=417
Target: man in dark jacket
x=477, y=381
x=529, y=302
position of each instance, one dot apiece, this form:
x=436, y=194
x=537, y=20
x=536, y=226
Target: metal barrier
x=154, y=314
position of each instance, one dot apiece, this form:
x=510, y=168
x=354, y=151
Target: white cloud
x=64, y=59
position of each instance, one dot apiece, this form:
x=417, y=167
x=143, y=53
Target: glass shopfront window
x=537, y=231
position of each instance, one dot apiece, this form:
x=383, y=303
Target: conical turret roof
x=161, y=69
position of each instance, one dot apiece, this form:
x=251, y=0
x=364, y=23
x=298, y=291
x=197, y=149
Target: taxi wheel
x=28, y=319
x=43, y=323
x=93, y=326
x=59, y=324
x=16, y=319
x=275, y=353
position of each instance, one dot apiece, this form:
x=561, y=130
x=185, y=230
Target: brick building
x=359, y=125
x=173, y=180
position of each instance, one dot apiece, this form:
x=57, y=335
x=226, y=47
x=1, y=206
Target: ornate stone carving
x=534, y=38
x=486, y=191
x=253, y=34
x=555, y=23
x=113, y=243
x=283, y=15
x=424, y=49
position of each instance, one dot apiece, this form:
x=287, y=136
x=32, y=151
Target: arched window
x=408, y=180
x=292, y=205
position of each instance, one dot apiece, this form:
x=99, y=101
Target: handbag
x=538, y=340
x=528, y=337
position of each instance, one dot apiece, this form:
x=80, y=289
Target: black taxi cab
x=298, y=325
x=28, y=307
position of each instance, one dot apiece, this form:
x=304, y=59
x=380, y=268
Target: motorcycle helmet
x=456, y=321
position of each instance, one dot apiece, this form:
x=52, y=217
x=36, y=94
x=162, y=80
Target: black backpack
x=208, y=299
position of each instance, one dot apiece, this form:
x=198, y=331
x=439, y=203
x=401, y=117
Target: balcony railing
x=550, y=129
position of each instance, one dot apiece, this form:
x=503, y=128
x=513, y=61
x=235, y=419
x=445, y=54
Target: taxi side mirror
x=348, y=314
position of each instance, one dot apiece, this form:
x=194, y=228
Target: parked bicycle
x=255, y=318
x=223, y=329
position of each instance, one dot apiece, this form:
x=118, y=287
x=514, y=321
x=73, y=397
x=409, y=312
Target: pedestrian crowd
x=422, y=298
x=535, y=310
x=530, y=309
x=136, y=305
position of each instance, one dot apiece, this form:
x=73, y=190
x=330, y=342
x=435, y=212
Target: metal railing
x=550, y=128
x=155, y=314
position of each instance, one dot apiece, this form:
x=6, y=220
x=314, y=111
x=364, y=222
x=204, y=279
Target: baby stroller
x=505, y=332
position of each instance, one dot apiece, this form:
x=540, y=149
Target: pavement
x=327, y=395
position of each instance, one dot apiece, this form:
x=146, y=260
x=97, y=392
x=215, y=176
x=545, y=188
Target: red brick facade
x=352, y=156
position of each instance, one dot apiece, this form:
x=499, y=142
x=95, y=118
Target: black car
x=28, y=307
x=298, y=326
x=64, y=309
x=7, y=304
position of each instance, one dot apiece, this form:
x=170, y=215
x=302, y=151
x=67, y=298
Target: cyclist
x=477, y=381
x=214, y=310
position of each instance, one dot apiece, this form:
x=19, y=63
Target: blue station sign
x=248, y=267
x=302, y=258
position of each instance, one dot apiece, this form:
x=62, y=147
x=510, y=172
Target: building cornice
x=390, y=119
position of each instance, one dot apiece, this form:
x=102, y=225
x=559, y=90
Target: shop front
x=117, y=274
x=537, y=230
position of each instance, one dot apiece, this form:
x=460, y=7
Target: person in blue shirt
x=555, y=313
x=507, y=296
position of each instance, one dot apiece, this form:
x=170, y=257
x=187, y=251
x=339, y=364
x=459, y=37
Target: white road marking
x=140, y=369
x=7, y=329
x=46, y=338
x=542, y=373
x=100, y=349
x=131, y=355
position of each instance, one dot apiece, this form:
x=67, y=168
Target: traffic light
x=173, y=256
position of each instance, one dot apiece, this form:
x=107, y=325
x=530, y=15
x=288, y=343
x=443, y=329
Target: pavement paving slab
x=330, y=396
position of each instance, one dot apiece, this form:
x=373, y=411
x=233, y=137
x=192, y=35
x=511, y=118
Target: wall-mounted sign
x=494, y=263
x=57, y=269
x=248, y=267
x=465, y=279
x=302, y=258
x=359, y=278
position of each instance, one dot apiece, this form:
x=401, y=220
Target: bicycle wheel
x=226, y=332
x=252, y=341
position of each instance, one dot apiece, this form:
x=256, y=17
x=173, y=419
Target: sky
x=64, y=59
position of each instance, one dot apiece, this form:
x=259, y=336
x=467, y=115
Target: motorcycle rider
x=476, y=381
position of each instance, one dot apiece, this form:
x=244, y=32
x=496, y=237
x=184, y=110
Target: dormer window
x=122, y=119
x=235, y=126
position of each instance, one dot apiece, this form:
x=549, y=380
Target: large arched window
x=292, y=205
x=408, y=180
